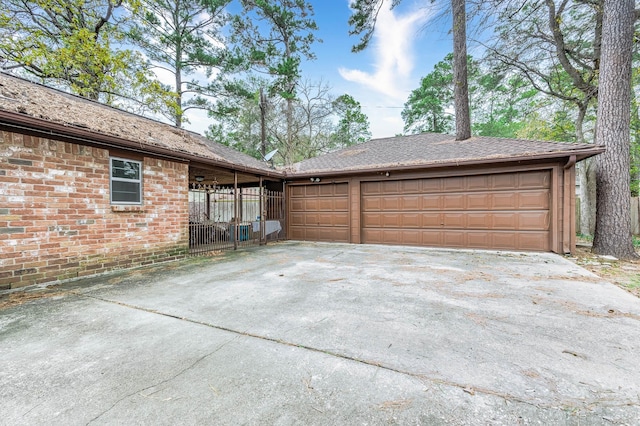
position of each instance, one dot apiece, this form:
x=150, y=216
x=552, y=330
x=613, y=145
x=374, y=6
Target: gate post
x=236, y=234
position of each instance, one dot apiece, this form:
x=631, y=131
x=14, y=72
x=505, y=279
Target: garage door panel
x=504, y=201
x=371, y=204
x=479, y=221
x=391, y=220
x=390, y=187
x=478, y=239
x=410, y=203
x=479, y=201
x=298, y=191
x=391, y=203
x=431, y=185
x=372, y=234
x=326, y=234
x=297, y=219
x=311, y=191
x=326, y=219
x=372, y=220
x=341, y=204
x=297, y=205
x=478, y=183
x=505, y=240
x=504, y=221
x=431, y=238
x=453, y=184
x=529, y=180
x=311, y=218
x=454, y=220
x=533, y=221
x=411, y=238
x=533, y=199
x=431, y=220
x=324, y=204
x=431, y=202
x=453, y=202
x=411, y=220
x=410, y=186
x=504, y=181
x=454, y=239
x=538, y=241
x=297, y=233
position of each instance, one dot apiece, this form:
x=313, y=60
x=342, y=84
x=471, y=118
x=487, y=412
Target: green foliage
x=319, y=122
x=274, y=36
x=363, y=20
x=353, y=124
x=77, y=44
x=428, y=106
x=554, y=46
x=500, y=102
x=183, y=37
x=501, y=105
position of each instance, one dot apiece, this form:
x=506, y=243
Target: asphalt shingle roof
x=432, y=149
x=37, y=101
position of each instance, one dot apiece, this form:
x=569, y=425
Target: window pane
x=125, y=169
x=125, y=192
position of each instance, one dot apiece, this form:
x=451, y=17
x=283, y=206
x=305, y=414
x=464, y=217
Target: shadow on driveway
x=312, y=333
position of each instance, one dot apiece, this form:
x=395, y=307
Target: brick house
x=86, y=188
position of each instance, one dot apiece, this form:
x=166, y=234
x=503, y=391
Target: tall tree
x=502, y=104
x=276, y=36
x=71, y=44
x=460, y=73
x=555, y=44
x=426, y=108
x=613, y=221
x=183, y=37
x=313, y=125
x=363, y=22
x=353, y=124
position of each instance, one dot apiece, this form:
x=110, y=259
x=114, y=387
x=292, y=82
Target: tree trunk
x=613, y=202
x=460, y=79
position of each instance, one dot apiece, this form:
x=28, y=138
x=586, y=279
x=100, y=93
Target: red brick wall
x=56, y=220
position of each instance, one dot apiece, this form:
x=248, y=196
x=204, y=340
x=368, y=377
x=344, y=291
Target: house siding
x=56, y=220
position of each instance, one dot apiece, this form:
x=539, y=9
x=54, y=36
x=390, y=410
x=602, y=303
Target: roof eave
x=49, y=129
x=556, y=155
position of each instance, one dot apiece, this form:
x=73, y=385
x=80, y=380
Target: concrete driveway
x=304, y=333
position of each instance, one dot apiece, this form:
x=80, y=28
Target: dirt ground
x=624, y=274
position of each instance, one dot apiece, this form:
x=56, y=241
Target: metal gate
x=224, y=218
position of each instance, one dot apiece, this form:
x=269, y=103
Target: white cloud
x=393, y=41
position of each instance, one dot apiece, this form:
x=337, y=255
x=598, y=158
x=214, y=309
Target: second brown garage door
x=497, y=211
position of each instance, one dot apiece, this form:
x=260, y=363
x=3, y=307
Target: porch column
x=236, y=211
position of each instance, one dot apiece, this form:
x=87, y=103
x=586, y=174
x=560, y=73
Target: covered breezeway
x=229, y=209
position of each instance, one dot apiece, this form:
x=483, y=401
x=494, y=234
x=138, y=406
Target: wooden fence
x=635, y=216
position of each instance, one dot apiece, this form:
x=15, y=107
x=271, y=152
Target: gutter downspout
x=569, y=207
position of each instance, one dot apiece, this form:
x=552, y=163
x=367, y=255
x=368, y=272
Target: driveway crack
x=465, y=387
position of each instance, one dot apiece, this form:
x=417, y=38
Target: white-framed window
x=125, y=181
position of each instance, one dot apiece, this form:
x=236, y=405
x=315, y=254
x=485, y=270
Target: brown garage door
x=319, y=212
x=498, y=211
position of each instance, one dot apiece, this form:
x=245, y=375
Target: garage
x=497, y=211
x=432, y=190
x=319, y=212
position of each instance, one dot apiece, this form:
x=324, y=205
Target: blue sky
x=409, y=40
